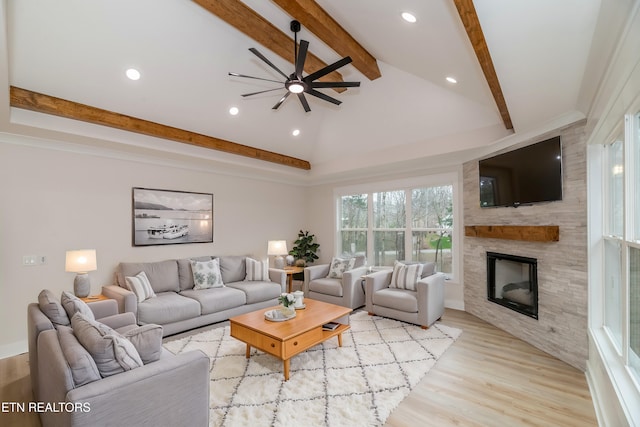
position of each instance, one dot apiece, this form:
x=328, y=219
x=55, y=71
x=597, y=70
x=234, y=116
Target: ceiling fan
x=296, y=83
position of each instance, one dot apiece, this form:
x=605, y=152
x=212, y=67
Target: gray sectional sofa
x=169, y=390
x=178, y=307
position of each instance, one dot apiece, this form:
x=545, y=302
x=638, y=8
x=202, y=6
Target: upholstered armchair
x=346, y=291
x=419, y=301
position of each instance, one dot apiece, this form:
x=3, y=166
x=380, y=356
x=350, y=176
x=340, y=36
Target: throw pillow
x=52, y=308
x=83, y=367
x=206, y=274
x=147, y=340
x=72, y=304
x=339, y=266
x=405, y=276
x=257, y=270
x=111, y=352
x=140, y=285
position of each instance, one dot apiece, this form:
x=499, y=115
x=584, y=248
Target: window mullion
x=408, y=224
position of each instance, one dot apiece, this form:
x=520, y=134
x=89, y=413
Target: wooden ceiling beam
x=247, y=21
x=469, y=18
x=319, y=22
x=28, y=100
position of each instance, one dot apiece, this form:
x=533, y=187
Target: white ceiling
x=78, y=50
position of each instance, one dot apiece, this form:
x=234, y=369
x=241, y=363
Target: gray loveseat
x=173, y=390
x=178, y=307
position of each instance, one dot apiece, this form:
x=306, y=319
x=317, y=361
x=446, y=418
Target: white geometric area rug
x=358, y=384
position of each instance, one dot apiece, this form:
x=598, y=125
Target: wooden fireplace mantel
x=529, y=233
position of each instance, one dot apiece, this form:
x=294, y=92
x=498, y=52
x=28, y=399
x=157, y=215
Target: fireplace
x=512, y=281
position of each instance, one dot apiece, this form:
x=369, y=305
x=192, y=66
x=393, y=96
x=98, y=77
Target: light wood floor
x=486, y=378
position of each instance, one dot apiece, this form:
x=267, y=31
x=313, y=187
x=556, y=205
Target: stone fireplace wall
x=561, y=328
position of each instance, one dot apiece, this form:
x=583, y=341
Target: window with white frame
x=413, y=222
x=622, y=243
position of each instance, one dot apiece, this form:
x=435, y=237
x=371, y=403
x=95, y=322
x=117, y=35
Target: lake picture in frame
x=165, y=217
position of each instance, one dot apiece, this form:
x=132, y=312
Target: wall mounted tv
x=527, y=175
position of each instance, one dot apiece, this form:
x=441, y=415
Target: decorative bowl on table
x=278, y=316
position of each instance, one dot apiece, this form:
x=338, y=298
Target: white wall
x=53, y=201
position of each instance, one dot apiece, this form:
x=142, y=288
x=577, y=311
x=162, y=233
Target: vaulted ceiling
x=521, y=68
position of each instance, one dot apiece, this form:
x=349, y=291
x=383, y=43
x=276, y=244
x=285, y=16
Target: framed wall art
x=164, y=217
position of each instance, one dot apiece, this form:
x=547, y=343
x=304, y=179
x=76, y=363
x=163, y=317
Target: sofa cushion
x=163, y=275
x=185, y=274
x=214, y=300
x=139, y=285
x=339, y=266
x=257, y=270
x=397, y=299
x=326, y=286
x=52, y=308
x=72, y=305
x=83, y=367
x=206, y=274
x=167, y=307
x=257, y=291
x=428, y=268
x=405, y=276
x=233, y=268
x=112, y=352
x=147, y=340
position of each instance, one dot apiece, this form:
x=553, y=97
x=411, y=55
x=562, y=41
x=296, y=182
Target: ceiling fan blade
x=302, y=56
x=251, y=77
x=262, y=91
x=326, y=70
x=323, y=96
x=264, y=58
x=279, y=103
x=333, y=84
x=304, y=102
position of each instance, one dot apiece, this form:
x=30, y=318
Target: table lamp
x=277, y=248
x=82, y=262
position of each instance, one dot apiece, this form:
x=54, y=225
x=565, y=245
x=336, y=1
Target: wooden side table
x=94, y=298
x=290, y=272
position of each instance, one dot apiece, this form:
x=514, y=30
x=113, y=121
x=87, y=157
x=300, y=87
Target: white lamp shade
x=277, y=247
x=81, y=261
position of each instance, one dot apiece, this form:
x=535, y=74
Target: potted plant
x=304, y=249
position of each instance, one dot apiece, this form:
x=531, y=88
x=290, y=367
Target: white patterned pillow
x=257, y=270
x=206, y=274
x=405, y=276
x=140, y=285
x=339, y=266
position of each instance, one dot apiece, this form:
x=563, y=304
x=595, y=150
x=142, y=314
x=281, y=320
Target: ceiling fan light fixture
x=234, y=111
x=295, y=87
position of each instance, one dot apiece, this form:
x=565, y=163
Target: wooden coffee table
x=286, y=339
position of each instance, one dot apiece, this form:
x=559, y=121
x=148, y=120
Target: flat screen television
x=524, y=176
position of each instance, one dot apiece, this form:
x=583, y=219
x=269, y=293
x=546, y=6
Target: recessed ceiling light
x=295, y=132
x=133, y=74
x=234, y=111
x=409, y=17
x=451, y=80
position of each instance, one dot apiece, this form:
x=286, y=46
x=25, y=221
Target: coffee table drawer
x=302, y=342
x=257, y=340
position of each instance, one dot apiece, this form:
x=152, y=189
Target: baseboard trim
x=454, y=304
x=13, y=349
